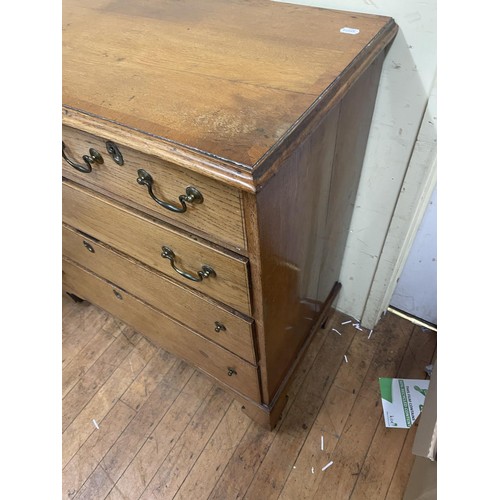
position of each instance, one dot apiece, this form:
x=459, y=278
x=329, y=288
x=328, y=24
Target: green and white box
x=402, y=400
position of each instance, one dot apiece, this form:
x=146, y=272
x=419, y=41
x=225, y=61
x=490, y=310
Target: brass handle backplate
x=206, y=271
x=192, y=194
x=113, y=150
x=219, y=327
x=95, y=157
x=88, y=246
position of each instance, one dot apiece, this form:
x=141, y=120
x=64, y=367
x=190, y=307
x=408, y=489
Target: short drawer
x=232, y=331
x=218, y=217
x=163, y=331
x=145, y=239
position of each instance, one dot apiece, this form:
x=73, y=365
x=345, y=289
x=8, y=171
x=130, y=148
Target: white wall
x=419, y=181
x=416, y=290
x=407, y=80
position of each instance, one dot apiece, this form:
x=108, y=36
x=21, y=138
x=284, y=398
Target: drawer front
x=164, y=331
x=186, y=306
x=144, y=239
x=218, y=217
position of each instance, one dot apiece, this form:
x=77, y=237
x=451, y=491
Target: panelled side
x=300, y=227
x=355, y=119
x=286, y=242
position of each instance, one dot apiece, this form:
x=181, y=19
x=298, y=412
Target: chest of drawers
x=211, y=156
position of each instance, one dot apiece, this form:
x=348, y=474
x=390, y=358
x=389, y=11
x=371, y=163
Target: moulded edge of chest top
x=249, y=178
x=233, y=174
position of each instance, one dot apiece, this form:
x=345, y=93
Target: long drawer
x=163, y=331
x=146, y=239
x=218, y=216
x=232, y=331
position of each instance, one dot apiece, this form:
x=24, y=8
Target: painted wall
x=406, y=83
x=418, y=184
x=416, y=291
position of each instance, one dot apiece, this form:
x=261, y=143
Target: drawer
x=218, y=217
x=163, y=331
x=232, y=331
x=145, y=238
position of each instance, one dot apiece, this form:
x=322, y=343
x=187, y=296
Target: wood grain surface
x=219, y=216
x=265, y=108
x=143, y=238
x=186, y=306
x=183, y=437
x=163, y=331
x=296, y=240
x=226, y=77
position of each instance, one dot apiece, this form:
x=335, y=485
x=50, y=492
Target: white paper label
x=349, y=31
x=402, y=400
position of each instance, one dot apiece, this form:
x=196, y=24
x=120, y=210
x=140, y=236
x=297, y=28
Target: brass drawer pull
x=231, y=372
x=205, y=272
x=192, y=194
x=95, y=157
x=113, y=150
x=88, y=246
x=219, y=327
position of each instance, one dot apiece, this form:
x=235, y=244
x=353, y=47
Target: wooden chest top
x=225, y=77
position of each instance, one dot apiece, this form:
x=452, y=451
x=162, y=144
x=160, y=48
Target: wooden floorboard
x=163, y=438
x=383, y=455
x=139, y=423
x=331, y=420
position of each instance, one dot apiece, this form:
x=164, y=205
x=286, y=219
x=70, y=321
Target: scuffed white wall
x=416, y=291
x=406, y=83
